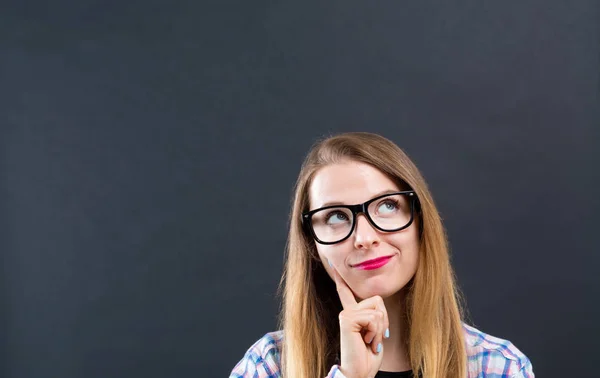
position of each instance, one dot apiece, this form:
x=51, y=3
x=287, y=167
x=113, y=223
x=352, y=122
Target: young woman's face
x=353, y=183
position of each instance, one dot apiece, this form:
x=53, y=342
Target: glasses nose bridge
x=359, y=209
x=362, y=208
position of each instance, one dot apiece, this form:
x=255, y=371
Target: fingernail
x=387, y=333
x=379, y=348
x=329, y=262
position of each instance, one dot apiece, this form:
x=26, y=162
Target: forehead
x=348, y=183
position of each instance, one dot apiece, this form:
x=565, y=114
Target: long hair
x=310, y=304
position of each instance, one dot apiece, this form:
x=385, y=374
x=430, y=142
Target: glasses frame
x=361, y=208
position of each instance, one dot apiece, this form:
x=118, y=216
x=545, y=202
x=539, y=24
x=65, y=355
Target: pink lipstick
x=374, y=264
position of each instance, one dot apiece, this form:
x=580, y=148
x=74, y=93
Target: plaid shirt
x=488, y=357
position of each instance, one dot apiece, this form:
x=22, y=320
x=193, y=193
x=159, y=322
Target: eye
x=336, y=217
x=388, y=206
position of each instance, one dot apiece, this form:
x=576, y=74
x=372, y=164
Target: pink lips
x=374, y=264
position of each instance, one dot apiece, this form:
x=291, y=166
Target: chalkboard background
x=149, y=150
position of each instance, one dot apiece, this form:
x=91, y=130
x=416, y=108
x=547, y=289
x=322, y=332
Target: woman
x=368, y=289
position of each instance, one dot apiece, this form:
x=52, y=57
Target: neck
x=395, y=351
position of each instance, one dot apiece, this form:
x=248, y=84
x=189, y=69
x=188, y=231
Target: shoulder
x=487, y=356
x=262, y=359
x=497, y=357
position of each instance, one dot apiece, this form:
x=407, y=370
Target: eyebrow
x=335, y=203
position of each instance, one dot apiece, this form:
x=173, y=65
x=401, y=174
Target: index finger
x=344, y=292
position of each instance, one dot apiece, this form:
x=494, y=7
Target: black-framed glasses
x=389, y=213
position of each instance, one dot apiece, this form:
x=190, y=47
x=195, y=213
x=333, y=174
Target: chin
x=383, y=292
x=379, y=287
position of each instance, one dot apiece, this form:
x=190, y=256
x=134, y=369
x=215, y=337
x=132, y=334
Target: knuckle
x=344, y=316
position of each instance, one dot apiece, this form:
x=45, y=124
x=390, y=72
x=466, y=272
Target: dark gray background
x=149, y=151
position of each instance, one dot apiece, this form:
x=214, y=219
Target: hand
x=362, y=328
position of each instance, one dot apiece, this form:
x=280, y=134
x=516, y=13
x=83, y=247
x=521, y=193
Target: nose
x=365, y=235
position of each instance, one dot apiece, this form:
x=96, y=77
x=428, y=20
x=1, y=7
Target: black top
x=390, y=374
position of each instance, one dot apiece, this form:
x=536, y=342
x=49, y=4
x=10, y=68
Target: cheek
x=336, y=254
x=325, y=253
x=407, y=243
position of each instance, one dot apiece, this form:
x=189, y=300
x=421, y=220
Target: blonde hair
x=310, y=305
